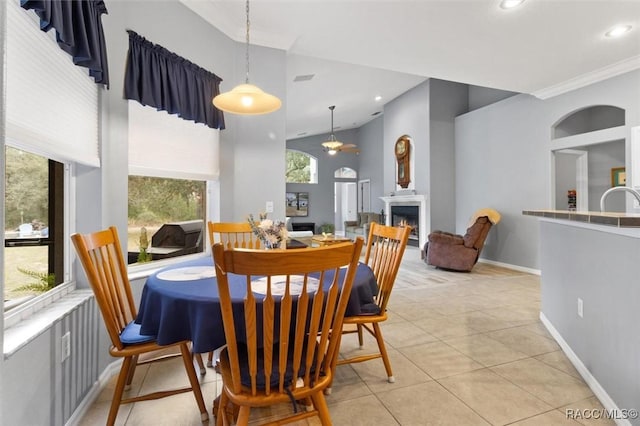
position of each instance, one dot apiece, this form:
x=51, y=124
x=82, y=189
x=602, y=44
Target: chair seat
x=131, y=335
x=359, y=319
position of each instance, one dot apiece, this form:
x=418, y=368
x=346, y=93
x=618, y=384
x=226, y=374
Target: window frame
x=65, y=182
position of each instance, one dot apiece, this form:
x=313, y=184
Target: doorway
x=571, y=174
x=345, y=204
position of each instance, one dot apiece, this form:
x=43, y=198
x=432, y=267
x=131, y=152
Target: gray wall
x=503, y=160
x=408, y=114
x=482, y=96
x=426, y=113
x=321, y=194
x=370, y=142
x=447, y=101
x=595, y=266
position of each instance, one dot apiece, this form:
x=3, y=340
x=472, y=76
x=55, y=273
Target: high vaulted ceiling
x=357, y=49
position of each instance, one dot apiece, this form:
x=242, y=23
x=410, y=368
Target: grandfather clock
x=403, y=152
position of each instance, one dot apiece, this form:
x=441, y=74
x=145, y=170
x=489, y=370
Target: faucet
x=616, y=189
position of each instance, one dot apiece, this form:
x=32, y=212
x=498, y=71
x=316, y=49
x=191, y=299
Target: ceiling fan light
x=332, y=145
x=246, y=99
x=332, y=152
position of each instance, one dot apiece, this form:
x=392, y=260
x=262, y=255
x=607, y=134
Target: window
x=34, y=235
x=178, y=204
x=301, y=167
x=345, y=173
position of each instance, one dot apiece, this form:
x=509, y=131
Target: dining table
x=181, y=302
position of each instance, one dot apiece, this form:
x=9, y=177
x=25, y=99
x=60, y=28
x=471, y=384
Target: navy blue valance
x=160, y=78
x=79, y=32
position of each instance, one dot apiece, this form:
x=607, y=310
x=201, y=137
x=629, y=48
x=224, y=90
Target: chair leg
x=243, y=415
x=198, y=358
x=117, y=392
x=131, y=372
x=360, y=338
x=320, y=404
x=383, y=352
x=221, y=412
x=193, y=379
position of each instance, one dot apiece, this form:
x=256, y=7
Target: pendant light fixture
x=247, y=99
x=332, y=145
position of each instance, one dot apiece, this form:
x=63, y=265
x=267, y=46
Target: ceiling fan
x=333, y=146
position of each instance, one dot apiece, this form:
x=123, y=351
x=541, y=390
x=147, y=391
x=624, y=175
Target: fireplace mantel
x=409, y=200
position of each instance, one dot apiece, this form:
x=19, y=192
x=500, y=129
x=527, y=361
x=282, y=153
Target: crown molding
x=583, y=80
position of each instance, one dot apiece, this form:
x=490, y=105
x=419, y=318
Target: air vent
x=302, y=134
x=376, y=113
x=305, y=77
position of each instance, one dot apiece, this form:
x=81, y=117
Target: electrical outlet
x=269, y=207
x=580, y=308
x=66, y=345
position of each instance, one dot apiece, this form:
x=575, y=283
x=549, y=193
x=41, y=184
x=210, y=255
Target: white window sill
x=26, y=322
x=19, y=335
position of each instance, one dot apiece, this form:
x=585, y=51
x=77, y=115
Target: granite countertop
x=621, y=220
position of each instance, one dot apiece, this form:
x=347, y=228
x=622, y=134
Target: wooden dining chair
x=230, y=235
x=233, y=235
x=385, y=248
x=280, y=347
x=101, y=257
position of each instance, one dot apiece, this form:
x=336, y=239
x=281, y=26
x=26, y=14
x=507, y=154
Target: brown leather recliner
x=457, y=252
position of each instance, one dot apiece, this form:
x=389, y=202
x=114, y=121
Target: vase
x=271, y=246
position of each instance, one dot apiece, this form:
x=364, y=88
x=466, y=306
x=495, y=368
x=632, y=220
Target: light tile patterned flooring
x=466, y=349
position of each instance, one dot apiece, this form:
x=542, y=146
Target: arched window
x=301, y=167
x=346, y=173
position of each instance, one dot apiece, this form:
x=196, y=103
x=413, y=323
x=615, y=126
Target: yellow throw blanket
x=494, y=216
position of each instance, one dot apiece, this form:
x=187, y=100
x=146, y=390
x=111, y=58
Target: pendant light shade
x=332, y=145
x=247, y=99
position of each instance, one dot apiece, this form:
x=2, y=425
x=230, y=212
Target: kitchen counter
x=621, y=220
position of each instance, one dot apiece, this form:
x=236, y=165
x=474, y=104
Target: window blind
x=51, y=104
x=165, y=145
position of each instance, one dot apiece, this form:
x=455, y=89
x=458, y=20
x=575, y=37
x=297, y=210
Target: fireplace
x=419, y=201
x=407, y=216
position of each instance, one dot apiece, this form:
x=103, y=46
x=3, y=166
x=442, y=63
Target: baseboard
x=510, y=266
x=591, y=381
x=86, y=403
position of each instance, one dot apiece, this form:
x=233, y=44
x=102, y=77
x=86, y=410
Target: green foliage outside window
x=27, y=188
x=298, y=167
x=155, y=201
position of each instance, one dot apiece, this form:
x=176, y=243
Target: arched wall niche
x=586, y=144
x=588, y=119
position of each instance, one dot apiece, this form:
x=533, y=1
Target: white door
x=364, y=196
x=346, y=203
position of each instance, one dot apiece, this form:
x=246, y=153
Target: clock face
x=401, y=147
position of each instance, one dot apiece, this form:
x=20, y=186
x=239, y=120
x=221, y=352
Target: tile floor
x=466, y=349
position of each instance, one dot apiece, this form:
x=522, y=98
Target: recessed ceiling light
x=510, y=4
x=618, y=31
x=378, y=98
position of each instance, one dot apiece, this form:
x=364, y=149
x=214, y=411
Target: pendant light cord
x=247, y=47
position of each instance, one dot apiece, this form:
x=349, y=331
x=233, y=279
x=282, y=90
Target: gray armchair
x=360, y=227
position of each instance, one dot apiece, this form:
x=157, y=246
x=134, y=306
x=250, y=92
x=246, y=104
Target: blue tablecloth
x=178, y=307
